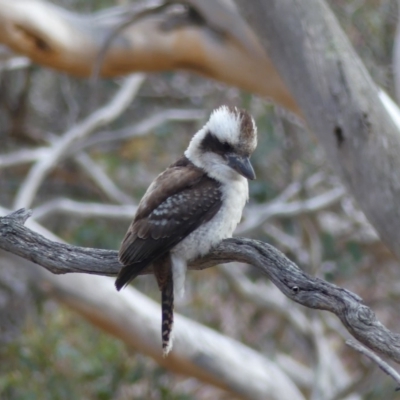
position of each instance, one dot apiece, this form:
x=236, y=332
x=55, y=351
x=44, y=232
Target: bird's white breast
x=234, y=196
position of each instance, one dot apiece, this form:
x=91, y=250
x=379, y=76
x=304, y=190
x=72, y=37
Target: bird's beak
x=241, y=165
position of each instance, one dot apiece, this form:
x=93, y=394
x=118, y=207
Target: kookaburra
x=191, y=207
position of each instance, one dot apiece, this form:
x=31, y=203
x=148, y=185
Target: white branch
x=84, y=210
x=330, y=374
x=299, y=373
x=98, y=175
x=288, y=242
x=10, y=60
x=144, y=127
x=99, y=118
x=258, y=215
x=268, y=298
x=391, y=107
x=24, y=156
x=16, y=62
x=294, y=188
x=197, y=349
x=384, y=366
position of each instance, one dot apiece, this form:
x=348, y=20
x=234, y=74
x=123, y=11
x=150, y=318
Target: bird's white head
x=224, y=145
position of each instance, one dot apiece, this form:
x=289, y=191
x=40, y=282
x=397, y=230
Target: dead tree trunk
x=339, y=101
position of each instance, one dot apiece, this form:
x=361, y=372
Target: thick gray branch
x=302, y=288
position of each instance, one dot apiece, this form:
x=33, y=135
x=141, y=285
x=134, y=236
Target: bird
x=191, y=207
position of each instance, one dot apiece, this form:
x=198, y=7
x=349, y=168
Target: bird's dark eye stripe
x=213, y=144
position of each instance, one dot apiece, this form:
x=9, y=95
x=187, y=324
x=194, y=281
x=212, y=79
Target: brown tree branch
x=312, y=292
x=212, y=41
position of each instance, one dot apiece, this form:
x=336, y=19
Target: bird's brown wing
x=188, y=199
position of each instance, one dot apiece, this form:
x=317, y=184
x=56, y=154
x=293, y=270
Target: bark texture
x=312, y=292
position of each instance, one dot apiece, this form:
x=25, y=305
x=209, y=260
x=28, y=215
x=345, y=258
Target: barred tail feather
x=167, y=305
x=163, y=273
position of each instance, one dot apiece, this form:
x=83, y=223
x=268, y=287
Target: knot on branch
x=366, y=315
x=20, y=216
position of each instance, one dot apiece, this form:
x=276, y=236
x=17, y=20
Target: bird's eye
x=227, y=147
x=213, y=144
